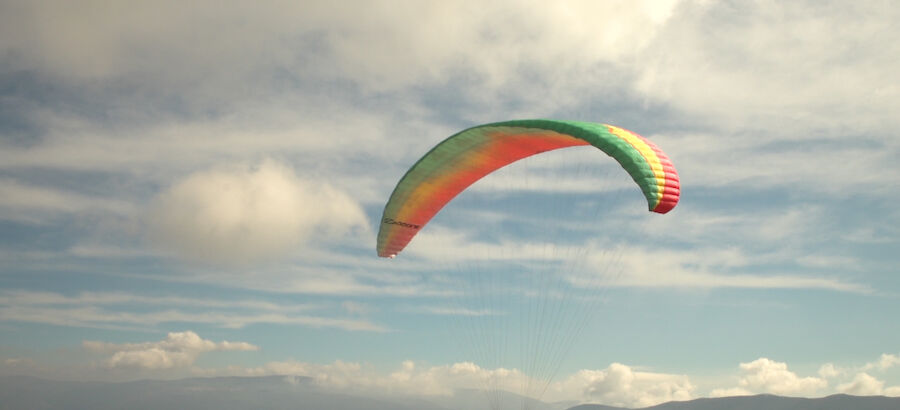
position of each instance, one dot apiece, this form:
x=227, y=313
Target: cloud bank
x=771, y=377
x=767, y=376
x=178, y=349
x=622, y=385
x=616, y=385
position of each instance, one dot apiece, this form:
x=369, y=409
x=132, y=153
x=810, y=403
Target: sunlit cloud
x=622, y=385
x=885, y=362
x=243, y=215
x=862, y=385
x=782, y=69
x=177, y=350
x=617, y=385
x=768, y=376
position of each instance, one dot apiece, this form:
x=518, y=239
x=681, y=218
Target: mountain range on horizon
x=769, y=402
x=297, y=392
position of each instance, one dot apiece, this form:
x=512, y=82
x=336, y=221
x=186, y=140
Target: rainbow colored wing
x=464, y=158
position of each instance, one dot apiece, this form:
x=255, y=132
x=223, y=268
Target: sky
x=194, y=189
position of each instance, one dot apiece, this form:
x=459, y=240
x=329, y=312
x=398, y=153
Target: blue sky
x=194, y=190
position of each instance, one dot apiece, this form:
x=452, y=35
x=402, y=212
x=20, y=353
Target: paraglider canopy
x=464, y=158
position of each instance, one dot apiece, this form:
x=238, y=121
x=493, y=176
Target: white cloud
x=21, y=297
x=242, y=215
x=828, y=371
x=627, y=265
x=708, y=268
x=886, y=361
x=554, y=38
x=409, y=379
x=834, y=167
x=177, y=350
x=36, y=204
x=621, y=385
x=380, y=46
x=658, y=49
x=452, y=311
x=748, y=244
x=616, y=385
x=443, y=245
x=117, y=311
x=862, y=385
x=783, y=67
x=356, y=308
x=18, y=362
x=730, y=392
x=380, y=279
x=767, y=376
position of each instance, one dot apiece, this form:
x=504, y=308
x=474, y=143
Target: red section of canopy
x=500, y=149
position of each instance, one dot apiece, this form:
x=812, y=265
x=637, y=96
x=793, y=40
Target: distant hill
x=770, y=402
x=220, y=393
x=229, y=393
x=300, y=393
x=597, y=407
